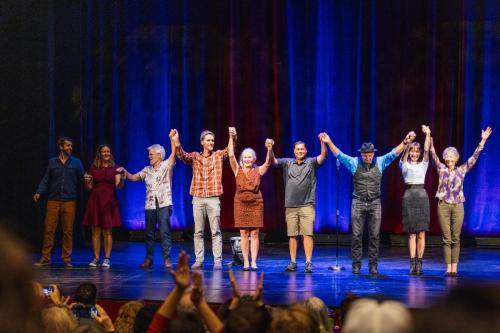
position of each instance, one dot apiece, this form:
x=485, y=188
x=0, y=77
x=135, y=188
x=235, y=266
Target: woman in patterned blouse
x=451, y=198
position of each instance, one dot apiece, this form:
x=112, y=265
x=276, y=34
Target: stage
x=126, y=281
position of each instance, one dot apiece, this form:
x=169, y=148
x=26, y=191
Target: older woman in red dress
x=248, y=203
x=102, y=212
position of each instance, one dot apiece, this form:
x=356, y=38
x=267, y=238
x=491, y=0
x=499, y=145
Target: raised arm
x=326, y=139
x=322, y=156
x=181, y=154
x=214, y=324
x=269, y=157
x=427, y=142
x=406, y=152
x=434, y=157
x=182, y=280
x=407, y=140
x=485, y=134
x=349, y=162
x=171, y=157
x=230, y=151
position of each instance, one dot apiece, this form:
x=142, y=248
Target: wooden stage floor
x=125, y=280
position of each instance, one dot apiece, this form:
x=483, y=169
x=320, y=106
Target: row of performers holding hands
x=299, y=177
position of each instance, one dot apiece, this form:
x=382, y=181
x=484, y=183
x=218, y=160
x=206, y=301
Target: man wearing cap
x=367, y=177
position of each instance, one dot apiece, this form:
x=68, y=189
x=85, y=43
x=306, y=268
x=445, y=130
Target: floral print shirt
x=158, y=184
x=451, y=183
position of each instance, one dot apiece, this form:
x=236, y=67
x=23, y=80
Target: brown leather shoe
x=147, y=264
x=41, y=262
x=167, y=264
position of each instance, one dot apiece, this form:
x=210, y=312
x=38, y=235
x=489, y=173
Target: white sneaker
x=106, y=263
x=94, y=263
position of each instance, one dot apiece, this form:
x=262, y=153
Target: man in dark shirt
x=60, y=183
x=299, y=177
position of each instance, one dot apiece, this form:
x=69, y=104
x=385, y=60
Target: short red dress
x=102, y=206
x=248, y=203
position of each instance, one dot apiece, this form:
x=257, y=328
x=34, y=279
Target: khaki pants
x=451, y=219
x=207, y=209
x=64, y=211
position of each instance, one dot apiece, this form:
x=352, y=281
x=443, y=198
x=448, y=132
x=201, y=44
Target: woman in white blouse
x=415, y=200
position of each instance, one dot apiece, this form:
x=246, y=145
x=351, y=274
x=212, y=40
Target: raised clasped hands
x=410, y=137
x=323, y=137
x=232, y=132
x=426, y=130
x=269, y=144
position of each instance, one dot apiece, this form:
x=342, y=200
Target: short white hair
x=247, y=150
x=453, y=151
x=159, y=149
x=370, y=316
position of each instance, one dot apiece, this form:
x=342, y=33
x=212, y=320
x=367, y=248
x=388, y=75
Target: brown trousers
x=65, y=212
x=451, y=219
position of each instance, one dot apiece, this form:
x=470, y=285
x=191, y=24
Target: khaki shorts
x=300, y=220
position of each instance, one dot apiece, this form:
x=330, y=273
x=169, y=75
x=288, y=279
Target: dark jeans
x=371, y=212
x=160, y=216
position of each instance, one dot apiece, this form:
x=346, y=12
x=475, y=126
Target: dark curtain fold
x=288, y=70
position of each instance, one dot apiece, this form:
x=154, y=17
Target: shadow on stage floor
x=125, y=280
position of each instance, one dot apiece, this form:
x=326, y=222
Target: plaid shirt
x=207, y=172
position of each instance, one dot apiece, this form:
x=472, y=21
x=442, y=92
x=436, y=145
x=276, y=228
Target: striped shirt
x=207, y=172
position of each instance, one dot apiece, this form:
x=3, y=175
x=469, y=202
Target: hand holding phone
x=47, y=290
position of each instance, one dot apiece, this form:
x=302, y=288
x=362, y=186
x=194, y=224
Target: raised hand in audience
x=103, y=319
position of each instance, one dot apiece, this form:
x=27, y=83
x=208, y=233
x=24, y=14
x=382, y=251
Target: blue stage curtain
x=288, y=70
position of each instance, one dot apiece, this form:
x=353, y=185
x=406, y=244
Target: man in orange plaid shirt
x=206, y=188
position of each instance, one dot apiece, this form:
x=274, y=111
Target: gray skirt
x=415, y=209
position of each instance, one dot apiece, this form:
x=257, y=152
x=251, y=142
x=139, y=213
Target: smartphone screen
x=48, y=290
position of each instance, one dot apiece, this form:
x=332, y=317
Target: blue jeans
x=160, y=216
x=371, y=212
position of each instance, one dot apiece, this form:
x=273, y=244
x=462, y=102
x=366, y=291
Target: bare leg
x=308, y=247
x=412, y=246
x=108, y=242
x=244, y=246
x=421, y=244
x=254, y=246
x=292, y=244
x=454, y=267
x=96, y=241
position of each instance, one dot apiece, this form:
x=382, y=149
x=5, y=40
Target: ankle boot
x=418, y=268
x=413, y=266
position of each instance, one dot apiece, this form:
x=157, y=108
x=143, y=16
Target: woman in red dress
x=102, y=212
x=248, y=203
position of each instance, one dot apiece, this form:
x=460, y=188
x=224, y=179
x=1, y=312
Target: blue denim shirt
x=62, y=181
x=351, y=163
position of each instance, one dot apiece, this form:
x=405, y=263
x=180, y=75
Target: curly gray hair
x=159, y=149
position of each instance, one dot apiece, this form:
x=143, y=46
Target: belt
x=367, y=199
